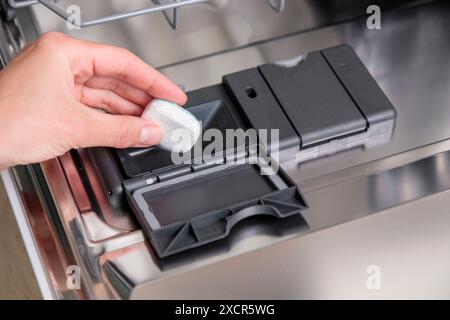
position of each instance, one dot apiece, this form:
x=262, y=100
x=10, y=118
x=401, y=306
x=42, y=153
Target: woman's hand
x=50, y=93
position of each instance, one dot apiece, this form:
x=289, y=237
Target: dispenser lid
x=200, y=207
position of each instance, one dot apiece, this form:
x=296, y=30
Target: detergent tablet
x=181, y=129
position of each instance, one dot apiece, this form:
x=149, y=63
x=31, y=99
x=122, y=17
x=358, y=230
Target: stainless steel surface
x=17, y=275
x=278, y=5
x=207, y=28
x=408, y=177
x=22, y=3
x=164, y=7
x=67, y=15
x=45, y=245
x=175, y=6
x=409, y=244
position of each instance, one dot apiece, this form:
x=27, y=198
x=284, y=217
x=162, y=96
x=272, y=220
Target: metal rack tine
x=173, y=20
x=21, y=4
x=277, y=5
x=170, y=9
x=174, y=5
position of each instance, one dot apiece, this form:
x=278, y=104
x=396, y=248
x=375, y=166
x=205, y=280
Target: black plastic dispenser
x=328, y=97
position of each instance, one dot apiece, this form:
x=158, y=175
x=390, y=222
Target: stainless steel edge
x=406, y=178
x=33, y=251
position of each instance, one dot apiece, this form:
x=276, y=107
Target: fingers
x=121, y=88
x=114, y=62
x=88, y=59
x=117, y=131
x=109, y=101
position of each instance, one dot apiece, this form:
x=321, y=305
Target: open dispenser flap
x=201, y=207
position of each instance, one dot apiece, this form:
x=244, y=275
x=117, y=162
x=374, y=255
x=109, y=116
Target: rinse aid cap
x=181, y=129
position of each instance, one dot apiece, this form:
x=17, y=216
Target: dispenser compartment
x=202, y=207
x=314, y=99
x=326, y=103
x=137, y=161
x=329, y=97
x=360, y=84
x=260, y=107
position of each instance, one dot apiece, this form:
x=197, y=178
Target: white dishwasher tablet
x=181, y=129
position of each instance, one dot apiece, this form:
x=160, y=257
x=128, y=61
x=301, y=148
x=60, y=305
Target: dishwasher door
x=406, y=179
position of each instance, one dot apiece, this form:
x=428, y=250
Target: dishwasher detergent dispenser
x=326, y=103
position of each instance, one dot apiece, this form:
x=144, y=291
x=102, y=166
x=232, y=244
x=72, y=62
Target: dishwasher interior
x=238, y=61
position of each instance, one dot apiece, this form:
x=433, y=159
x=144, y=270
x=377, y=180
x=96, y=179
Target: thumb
x=119, y=131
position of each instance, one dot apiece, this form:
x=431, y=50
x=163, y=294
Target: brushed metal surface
x=406, y=180
x=409, y=244
x=205, y=29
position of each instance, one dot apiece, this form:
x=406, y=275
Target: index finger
x=110, y=61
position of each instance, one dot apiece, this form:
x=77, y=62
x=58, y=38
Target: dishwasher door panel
x=404, y=179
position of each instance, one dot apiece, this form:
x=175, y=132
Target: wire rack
x=170, y=9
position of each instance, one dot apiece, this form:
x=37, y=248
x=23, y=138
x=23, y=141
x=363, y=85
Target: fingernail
x=151, y=136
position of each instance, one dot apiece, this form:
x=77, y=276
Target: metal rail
x=170, y=9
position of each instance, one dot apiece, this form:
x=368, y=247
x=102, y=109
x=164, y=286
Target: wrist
x=5, y=155
x=4, y=164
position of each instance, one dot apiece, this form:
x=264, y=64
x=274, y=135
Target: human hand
x=50, y=93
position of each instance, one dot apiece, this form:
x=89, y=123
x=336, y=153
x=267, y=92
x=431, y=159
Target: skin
x=50, y=97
